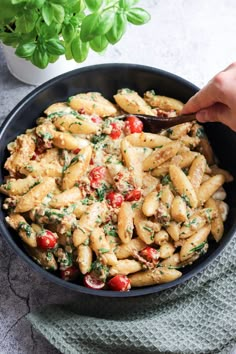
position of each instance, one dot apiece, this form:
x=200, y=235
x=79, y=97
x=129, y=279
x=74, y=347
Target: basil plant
x=42, y=30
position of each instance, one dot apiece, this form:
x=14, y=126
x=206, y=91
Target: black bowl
x=107, y=79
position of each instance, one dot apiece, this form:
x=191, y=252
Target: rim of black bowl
x=4, y=230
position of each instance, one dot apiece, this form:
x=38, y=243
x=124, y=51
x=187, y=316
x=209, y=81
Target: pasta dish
x=98, y=201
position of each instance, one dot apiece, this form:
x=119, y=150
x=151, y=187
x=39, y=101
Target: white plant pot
x=26, y=72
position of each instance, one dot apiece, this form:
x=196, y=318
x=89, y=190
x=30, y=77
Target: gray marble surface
x=193, y=39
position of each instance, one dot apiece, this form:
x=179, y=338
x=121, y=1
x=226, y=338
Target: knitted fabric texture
x=196, y=317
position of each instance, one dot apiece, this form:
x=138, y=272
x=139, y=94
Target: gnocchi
x=94, y=197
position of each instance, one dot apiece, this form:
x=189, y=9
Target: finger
x=206, y=97
x=217, y=113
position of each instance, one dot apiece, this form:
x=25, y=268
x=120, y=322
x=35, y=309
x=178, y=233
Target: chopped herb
x=56, y=114
x=99, y=219
x=166, y=180
x=109, y=160
x=186, y=199
x=8, y=186
x=29, y=168
x=101, y=192
x=70, y=99
x=49, y=256
x=198, y=248
x=208, y=214
x=49, y=213
x=110, y=230
x=86, y=242
x=103, y=250
x=149, y=229
x=201, y=133
x=87, y=200
x=135, y=205
x=80, y=228
x=98, y=138
x=158, y=147
x=169, y=131
x=25, y=227
x=46, y=136
x=79, y=123
x=101, y=269
x=191, y=222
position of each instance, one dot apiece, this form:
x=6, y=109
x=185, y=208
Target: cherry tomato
x=96, y=119
x=115, y=132
x=135, y=194
x=96, y=175
x=115, y=199
x=150, y=253
x=76, y=151
x=70, y=273
x=93, y=282
x=133, y=125
x=47, y=240
x=119, y=283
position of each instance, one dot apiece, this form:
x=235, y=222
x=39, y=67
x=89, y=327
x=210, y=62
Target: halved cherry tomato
x=70, y=273
x=115, y=132
x=150, y=253
x=93, y=282
x=47, y=240
x=96, y=119
x=133, y=125
x=115, y=199
x=135, y=194
x=119, y=283
x=96, y=175
x=76, y=151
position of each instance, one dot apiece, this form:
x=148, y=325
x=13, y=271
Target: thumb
x=216, y=113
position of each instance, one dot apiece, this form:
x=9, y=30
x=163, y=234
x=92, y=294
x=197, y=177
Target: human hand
x=216, y=102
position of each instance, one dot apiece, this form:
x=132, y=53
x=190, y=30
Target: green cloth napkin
x=198, y=316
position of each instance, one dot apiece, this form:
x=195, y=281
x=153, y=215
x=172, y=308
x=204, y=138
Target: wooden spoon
x=155, y=124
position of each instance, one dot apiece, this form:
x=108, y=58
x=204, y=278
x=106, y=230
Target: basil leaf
x=68, y=53
x=38, y=3
x=27, y=21
x=99, y=43
x=14, y=2
x=68, y=32
x=53, y=58
x=94, y=5
x=126, y=4
x=58, y=13
x=89, y=27
x=11, y=39
x=79, y=50
x=55, y=47
x=106, y=21
x=138, y=16
x=118, y=29
x=25, y=50
x=47, y=13
x=48, y=32
x=40, y=58
x=96, y=24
